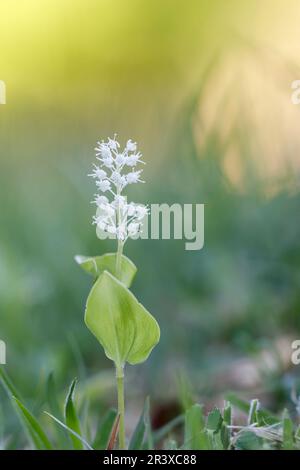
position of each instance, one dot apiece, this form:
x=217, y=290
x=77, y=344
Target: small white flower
x=119, y=180
x=98, y=173
x=99, y=200
x=103, y=150
x=107, y=162
x=134, y=177
x=133, y=229
x=141, y=212
x=132, y=160
x=113, y=144
x=111, y=229
x=103, y=185
x=120, y=159
x=102, y=225
x=116, y=177
x=100, y=221
x=131, y=146
x=107, y=209
x=119, y=201
x=131, y=209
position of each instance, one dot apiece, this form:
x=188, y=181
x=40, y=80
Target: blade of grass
x=71, y=417
x=104, y=430
x=80, y=438
x=227, y=421
x=243, y=405
x=114, y=434
x=139, y=434
x=252, y=415
x=32, y=426
x=51, y=393
x=52, y=396
x=148, y=427
x=195, y=437
x=167, y=428
x=287, y=431
x=8, y=385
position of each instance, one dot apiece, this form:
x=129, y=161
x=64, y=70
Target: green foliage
x=71, y=417
x=248, y=440
x=195, y=430
x=52, y=398
x=137, y=439
x=7, y=384
x=71, y=431
x=34, y=430
x=288, y=431
x=96, y=265
x=104, y=430
x=225, y=428
x=161, y=433
x=142, y=435
x=264, y=416
x=39, y=283
x=216, y=297
x=124, y=328
x=253, y=410
x=195, y=436
x=121, y=324
x=36, y=435
x=214, y=420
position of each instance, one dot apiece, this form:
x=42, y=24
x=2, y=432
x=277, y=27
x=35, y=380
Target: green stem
x=121, y=406
x=120, y=245
x=119, y=260
x=120, y=369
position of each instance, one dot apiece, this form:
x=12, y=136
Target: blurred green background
x=205, y=89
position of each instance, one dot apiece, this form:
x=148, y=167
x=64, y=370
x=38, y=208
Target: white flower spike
x=116, y=216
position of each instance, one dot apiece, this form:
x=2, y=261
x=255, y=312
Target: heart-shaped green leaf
x=95, y=265
x=121, y=324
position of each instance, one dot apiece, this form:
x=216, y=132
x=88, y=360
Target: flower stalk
x=121, y=406
x=119, y=259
